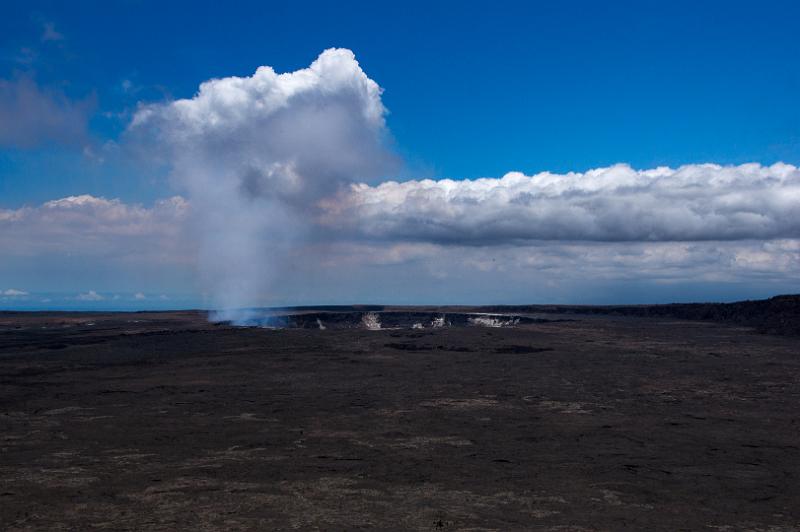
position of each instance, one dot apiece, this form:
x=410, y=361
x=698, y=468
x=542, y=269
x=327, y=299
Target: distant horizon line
x=381, y=307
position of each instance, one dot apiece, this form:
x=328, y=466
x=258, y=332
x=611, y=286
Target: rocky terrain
x=516, y=421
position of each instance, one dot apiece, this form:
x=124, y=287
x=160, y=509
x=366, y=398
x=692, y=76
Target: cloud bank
x=616, y=204
x=93, y=226
x=110, y=236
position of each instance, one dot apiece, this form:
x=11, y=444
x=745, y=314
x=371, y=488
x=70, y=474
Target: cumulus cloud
x=255, y=155
x=138, y=296
x=291, y=136
x=91, y=295
x=31, y=115
x=12, y=292
x=691, y=203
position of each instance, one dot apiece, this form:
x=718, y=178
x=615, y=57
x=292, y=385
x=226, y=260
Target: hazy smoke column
x=256, y=154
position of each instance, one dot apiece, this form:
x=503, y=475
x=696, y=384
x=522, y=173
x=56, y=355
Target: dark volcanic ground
x=164, y=422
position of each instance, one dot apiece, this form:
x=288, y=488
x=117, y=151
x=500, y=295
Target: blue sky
x=472, y=89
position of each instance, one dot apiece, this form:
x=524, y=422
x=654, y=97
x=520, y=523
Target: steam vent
x=383, y=319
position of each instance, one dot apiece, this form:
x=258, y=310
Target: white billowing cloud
x=138, y=296
x=91, y=295
x=289, y=136
x=256, y=154
x=31, y=115
x=691, y=203
x=13, y=292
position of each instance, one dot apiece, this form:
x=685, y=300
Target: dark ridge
x=776, y=315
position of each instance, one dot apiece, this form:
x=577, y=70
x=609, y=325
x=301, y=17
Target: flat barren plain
x=163, y=421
